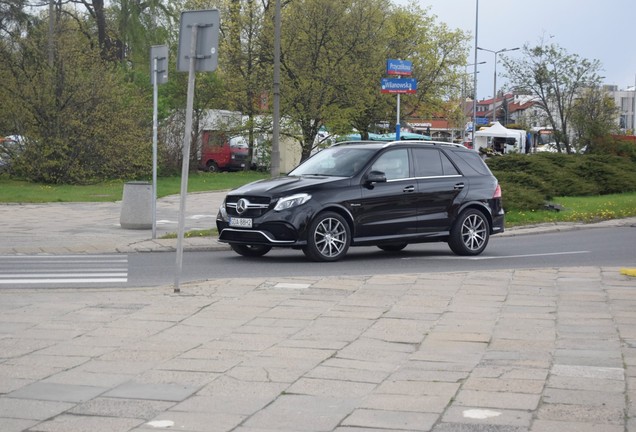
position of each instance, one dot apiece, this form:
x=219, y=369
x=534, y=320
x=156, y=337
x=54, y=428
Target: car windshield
x=335, y=161
x=238, y=142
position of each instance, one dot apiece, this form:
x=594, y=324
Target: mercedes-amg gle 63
x=361, y=193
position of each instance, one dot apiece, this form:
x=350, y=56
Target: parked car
x=10, y=147
x=368, y=193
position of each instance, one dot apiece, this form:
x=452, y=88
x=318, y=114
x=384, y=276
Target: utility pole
x=475, y=73
x=275, y=155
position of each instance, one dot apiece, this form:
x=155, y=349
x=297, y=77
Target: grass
x=586, y=209
x=16, y=191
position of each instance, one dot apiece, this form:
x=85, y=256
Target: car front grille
x=255, y=206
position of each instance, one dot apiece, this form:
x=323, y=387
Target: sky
x=599, y=30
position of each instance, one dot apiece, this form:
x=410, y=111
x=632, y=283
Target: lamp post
x=494, y=90
x=464, y=85
x=475, y=73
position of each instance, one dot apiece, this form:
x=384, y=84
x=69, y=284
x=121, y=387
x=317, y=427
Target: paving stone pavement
x=537, y=350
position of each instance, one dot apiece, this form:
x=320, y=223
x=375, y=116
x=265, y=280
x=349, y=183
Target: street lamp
x=494, y=91
x=464, y=85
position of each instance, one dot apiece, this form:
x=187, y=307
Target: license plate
x=241, y=222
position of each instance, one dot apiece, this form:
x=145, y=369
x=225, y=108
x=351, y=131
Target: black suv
x=368, y=193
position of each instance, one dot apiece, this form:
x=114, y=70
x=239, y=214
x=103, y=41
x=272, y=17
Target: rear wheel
x=250, y=250
x=395, y=247
x=328, y=239
x=470, y=233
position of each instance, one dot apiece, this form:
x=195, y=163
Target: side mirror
x=374, y=177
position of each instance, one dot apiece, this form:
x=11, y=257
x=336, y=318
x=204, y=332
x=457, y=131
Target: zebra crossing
x=67, y=270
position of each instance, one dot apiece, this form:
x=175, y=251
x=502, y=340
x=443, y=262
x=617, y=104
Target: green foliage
x=556, y=78
x=83, y=120
x=528, y=181
x=615, y=145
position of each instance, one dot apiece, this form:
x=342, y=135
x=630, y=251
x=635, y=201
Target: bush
x=528, y=181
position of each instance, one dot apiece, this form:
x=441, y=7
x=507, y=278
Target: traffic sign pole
x=199, y=52
x=397, y=123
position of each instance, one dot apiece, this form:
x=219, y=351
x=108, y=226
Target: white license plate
x=241, y=222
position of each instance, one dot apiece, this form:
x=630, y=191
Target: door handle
x=409, y=189
x=459, y=186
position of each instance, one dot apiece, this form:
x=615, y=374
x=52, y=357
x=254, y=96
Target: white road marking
x=63, y=269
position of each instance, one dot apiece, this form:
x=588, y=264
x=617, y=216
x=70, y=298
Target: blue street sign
x=399, y=85
x=482, y=120
x=398, y=67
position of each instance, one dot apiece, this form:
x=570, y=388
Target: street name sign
x=399, y=67
x=399, y=85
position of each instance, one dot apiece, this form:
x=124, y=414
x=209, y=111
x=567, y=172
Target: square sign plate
x=207, y=43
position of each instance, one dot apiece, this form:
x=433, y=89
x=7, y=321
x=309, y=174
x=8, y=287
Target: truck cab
x=220, y=153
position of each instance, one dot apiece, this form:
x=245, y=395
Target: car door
x=388, y=208
x=439, y=185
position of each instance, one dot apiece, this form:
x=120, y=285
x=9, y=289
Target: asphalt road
x=614, y=246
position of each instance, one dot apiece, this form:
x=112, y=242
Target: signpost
x=398, y=85
x=198, y=46
x=159, y=75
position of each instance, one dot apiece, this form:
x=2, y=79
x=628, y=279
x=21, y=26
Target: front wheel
x=328, y=239
x=250, y=250
x=212, y=166
x=470, y=234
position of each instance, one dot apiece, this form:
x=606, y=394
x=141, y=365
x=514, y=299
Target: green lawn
x=14, y=191
x=586, y=209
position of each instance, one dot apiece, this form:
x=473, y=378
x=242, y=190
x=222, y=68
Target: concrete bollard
x=136, y=206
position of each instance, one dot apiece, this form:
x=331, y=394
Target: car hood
x=281, y=186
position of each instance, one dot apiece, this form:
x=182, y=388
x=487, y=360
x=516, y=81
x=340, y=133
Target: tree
x=556, y=78
x=438, y=55
x=83, y=120
x=245, y=68
x=334, y=55
x=593, y=118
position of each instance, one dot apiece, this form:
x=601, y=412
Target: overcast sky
x=601, y=30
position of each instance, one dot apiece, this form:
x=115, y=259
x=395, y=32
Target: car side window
x=394, y=164
x=430, y=162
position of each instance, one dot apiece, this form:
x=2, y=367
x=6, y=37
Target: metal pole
x=634, y=109
x=185, y=166
x=475, y=73
x=154, y=149
x=397, y=123
x=494, y=92
x=275, y=156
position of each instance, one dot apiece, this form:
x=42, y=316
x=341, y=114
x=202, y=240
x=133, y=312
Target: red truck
x=220, y=153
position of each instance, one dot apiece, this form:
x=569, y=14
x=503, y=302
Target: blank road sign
x=207, y=43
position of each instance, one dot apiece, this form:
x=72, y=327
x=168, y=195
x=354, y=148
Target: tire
x=470, y=234
x=250, y=250
x=395, y=247
x=212, y=166
x=328, y=239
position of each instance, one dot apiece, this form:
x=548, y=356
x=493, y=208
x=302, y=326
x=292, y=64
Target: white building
x=624, y=100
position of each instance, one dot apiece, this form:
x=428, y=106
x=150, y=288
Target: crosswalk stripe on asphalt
x=67, y=269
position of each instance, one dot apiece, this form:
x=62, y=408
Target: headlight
x=222, y=215
x=291, y=201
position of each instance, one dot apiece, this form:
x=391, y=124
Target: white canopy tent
x=501, y=139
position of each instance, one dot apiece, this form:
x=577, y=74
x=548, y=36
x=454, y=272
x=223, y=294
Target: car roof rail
x=433, y=143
